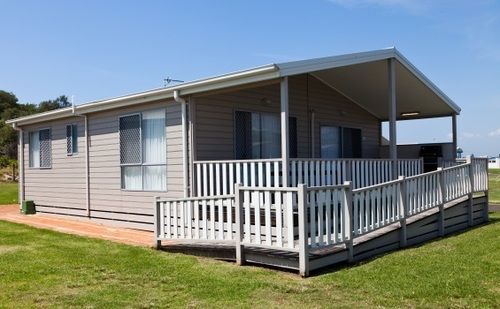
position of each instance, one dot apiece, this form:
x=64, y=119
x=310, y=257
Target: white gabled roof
x=258, y=74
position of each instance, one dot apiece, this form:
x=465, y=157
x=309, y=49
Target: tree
x=49, y=105
x=10, y=108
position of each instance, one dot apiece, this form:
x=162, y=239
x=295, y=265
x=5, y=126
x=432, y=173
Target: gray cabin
x=314, y=123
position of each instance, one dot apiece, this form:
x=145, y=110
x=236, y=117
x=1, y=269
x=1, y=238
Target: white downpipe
x=180, y=100
x=20, y=162
x=87, y=165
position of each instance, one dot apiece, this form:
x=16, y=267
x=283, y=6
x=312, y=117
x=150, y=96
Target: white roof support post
x=285, y=156
x=192, y=145
x=393, y=148
x=454, y=134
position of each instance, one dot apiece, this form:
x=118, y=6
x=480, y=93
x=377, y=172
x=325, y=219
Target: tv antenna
x=169, y=80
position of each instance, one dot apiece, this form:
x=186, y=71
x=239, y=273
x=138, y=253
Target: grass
x=43, y=268
x=8, y=193
x=494, y=185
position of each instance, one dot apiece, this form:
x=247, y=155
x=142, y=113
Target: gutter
x=20, y=163
x=185, y=171
x=223, y=81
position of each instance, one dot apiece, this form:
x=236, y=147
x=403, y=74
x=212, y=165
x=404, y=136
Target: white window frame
x=142, y=164
x=30, y=161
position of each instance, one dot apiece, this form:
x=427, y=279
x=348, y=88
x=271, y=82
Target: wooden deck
x=420, y=228
x=308, y=227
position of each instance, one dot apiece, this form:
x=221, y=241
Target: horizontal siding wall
x=61, y=188
x=332, y=108
x=107, y=199
x=214, y=122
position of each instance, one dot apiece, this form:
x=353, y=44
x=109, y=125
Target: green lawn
x=43, y=268
x=494, y=185
x=8, y=193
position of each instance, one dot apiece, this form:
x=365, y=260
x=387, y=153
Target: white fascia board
x=427, y=82
x=313, y=65
x=219, y=82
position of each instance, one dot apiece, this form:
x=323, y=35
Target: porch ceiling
x=367, y=85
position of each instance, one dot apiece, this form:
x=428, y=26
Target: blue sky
x=100, y=49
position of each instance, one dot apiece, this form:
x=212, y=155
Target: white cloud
x=495, y=132
x=470, y=135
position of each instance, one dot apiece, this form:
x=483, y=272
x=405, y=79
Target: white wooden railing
x=328, y=216
x=195, y=219
x=268, y=217
x=303, y=219
x=376, y=206
x=480, y=172
x=218, y=177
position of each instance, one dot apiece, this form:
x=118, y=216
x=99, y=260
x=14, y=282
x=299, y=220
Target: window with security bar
x=143, y=151
x=40, y=149
x=258, y=135
x=71, y=139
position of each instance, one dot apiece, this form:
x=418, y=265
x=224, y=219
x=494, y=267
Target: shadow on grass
x=495, y=219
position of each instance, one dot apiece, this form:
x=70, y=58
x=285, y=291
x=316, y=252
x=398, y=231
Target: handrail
x=238, y=161
x=163, y=199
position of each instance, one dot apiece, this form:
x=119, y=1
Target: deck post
x=238, y=204
x=443, y=199
x=454, y=134
x=393, y=148
x=403, y=211
x=470, y=202
x=157, y=223
x=348, y=221
x=284, y=129
x=303, y=235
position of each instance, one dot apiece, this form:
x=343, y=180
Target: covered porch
x=319, y=124
x=292, y=172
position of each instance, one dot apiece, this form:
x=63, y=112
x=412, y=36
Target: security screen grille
x=45, y=148
x=40, y=149
x=130, y=139
x=71, y=139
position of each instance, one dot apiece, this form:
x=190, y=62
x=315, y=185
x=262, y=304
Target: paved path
x=495, y=207
x=82, y=227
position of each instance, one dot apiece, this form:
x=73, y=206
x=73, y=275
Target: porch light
x=408, y=114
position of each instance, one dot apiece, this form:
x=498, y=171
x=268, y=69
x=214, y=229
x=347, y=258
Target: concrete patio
x=82, y=227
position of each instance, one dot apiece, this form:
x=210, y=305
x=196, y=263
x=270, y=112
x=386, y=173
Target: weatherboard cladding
x=215, y=116
x=61, y=189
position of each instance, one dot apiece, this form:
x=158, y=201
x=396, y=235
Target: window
x=71, y=139
x=330, y=142
x=40, y=149
x=351, y=143
x=143, y=151
x=339, y=142
x=258, y=135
